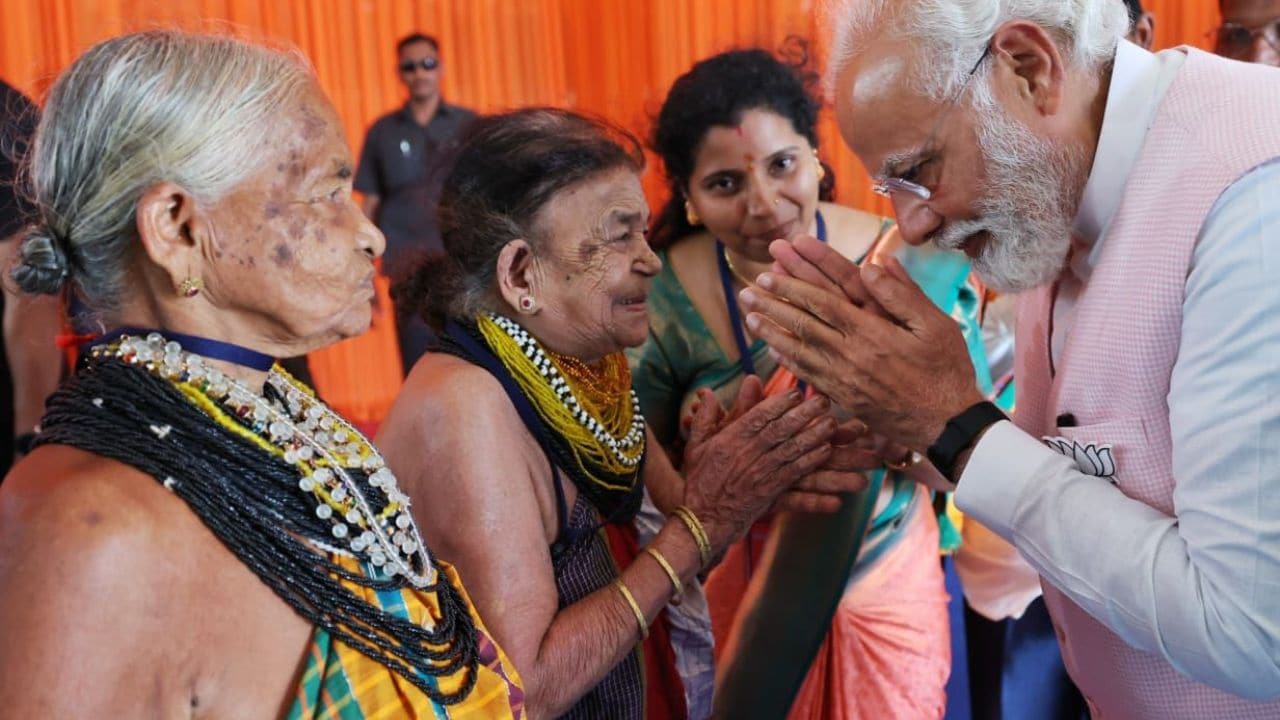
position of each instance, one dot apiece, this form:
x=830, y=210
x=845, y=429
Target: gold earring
x=822, y=169
x=190, y=287
x=691, y=215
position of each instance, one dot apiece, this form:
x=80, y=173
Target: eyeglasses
x=1235, y=39
x=426, y=63
x=897, y=185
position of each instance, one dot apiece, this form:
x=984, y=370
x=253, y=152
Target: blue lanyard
x=730, y=300
x=214, y=349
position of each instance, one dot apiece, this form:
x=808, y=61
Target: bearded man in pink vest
x=1134, y=201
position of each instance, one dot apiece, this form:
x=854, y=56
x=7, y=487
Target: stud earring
x=691, y=215
x=190, y=287
x=527, y=304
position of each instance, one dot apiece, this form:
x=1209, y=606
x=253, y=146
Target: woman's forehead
x=758, y=131
x=603, y=194
x=308, y=140
x=594, y=206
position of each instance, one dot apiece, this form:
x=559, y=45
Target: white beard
x=1028, y=208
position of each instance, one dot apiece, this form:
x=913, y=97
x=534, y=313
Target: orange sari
x=887, y=653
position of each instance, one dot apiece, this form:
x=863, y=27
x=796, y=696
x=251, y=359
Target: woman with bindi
x=522, y=442
x=741, y=158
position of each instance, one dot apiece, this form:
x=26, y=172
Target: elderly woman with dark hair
x=521, y=439
x=196, y=534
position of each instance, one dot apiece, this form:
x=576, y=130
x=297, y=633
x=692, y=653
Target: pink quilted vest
x=1218, y=121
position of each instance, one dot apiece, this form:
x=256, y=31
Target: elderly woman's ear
x=516, y=276
x=173, y=232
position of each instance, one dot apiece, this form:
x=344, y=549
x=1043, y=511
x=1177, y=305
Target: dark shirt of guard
x=402, y=163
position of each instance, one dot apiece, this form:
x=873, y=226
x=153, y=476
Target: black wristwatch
x=959, y=435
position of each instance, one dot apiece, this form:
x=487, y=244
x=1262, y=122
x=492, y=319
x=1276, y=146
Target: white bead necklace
x=319, y=443
x=619, y=447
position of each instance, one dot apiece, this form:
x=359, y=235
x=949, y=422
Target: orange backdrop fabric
x=614, y=58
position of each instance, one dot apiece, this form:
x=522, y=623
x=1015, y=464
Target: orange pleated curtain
x=613, y=58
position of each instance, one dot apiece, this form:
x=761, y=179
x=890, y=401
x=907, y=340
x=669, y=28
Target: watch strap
x=959, y=435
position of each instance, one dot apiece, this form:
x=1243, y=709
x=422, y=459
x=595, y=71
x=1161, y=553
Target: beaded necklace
x=297, y=427
x=609, y=438
x=603, y=388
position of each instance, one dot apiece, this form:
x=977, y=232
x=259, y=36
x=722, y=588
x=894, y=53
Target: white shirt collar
x=1139, y=80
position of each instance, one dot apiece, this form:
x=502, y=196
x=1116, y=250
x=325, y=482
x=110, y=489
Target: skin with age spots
x=219, y=638
x=311, y=124
x=593, y=277
x=453, y=435
x=282, y=256
x=289, y=215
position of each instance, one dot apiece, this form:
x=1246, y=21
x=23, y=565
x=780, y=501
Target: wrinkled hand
x=854, y=450
x=736, y=467
x=851, y=455
x=750, y=393
x=892, y=358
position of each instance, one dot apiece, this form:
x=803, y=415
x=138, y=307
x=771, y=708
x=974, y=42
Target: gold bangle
x=696, y=530
x=676, y=585
x=635, y=608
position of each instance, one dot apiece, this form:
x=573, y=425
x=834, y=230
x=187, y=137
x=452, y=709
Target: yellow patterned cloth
x=341, y=683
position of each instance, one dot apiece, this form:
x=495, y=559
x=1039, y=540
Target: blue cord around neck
x=730, y=300
x=205, y=347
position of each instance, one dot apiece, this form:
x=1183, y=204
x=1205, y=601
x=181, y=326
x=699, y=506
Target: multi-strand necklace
x=297, y=427
x=600, y=403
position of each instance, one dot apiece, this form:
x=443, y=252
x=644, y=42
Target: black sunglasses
x=427, y=63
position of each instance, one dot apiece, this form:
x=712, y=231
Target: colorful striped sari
x=341, y=683
x=885, y=651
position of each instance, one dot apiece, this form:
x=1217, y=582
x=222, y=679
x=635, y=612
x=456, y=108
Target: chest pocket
x=1121, y=451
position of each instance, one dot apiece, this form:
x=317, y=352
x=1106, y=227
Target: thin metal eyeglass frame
x=886, y=186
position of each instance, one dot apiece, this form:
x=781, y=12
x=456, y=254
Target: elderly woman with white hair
x=207, y=538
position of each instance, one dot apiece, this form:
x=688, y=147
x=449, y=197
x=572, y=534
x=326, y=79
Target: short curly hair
x=717, y=92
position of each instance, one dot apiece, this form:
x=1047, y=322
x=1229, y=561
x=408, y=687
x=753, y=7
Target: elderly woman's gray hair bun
x=42, y=264
x=131, y=112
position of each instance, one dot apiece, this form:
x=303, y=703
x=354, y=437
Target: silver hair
x=1029, y=202
x=131, y=112
x=951, y=33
